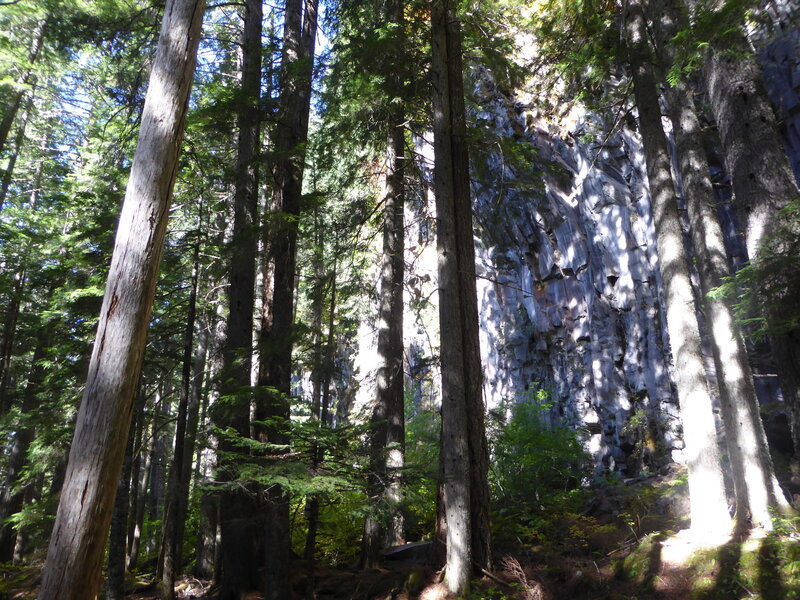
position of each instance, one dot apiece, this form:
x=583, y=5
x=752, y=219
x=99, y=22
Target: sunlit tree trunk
x=761, y=177
x=72, y=569
x=464, y=452
x=756, y=488
x=709, y=509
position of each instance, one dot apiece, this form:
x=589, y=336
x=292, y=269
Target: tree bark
x=238, y=567
x=72, y=569
x=761, y=178
x=464, y=451
x=387, y=443
x=708, y=505
x=276, y=337
x=756, y=488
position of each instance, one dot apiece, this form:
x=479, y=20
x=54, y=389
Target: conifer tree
x=388, y=416
x=756, y=489
x=761, y=176
x=277, y=333
x=72, y=570
x=464, y=454
x=709, y=509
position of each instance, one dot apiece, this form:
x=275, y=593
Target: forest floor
x=629, y=542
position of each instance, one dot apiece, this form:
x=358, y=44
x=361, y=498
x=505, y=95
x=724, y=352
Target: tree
x=761, y=176
x=756, y=489
x=387, y=439
x=276, y=336
x=709, y=509
x=180, y=471
x=72, y=568
x=238, y=554
x=464, y=453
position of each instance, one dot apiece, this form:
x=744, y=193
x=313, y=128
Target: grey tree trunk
x=761, y=178
x=464, y=453
x=709, y=509
x=756, y=487
x=387, y=443
x=72, y=569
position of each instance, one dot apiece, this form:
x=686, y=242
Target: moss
x=762, y=569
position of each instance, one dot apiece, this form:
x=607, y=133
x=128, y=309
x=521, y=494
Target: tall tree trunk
x=321, y=412
x=192, y=425
x=156, y=490
x=238, y=516
x=317, y=378
x=755, y=485
x=11, y=499
x=72, y=569
x=387, y=441
x=464, y=451
x=115, y=583
x=17, y=290
x=761, y=178
x=133, y=525
x=276, y=338
x=9, y=335
x=709, y=509
x=170, y=556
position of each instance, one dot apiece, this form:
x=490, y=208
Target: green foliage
x=713, y=23
x=536, y=474
x=421, y=475
x=580, y=42
x=534, y=462
x=765, y=291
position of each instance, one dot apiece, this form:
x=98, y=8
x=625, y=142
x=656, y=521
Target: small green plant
x=535, y=463
x=536, y=472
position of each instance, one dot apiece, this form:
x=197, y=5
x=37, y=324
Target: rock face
x=570, y=287
x=570, y=291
